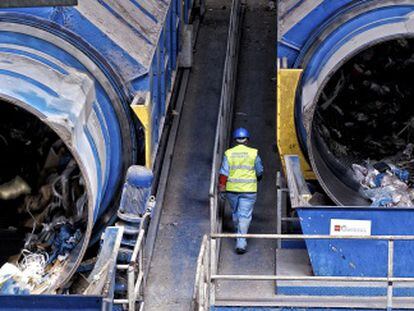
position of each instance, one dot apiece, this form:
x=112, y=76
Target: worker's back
x=242, y=173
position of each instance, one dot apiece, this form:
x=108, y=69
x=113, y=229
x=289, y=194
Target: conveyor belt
x=185, y=214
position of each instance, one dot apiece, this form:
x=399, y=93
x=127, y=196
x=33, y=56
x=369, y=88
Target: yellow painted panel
x=143, y=112
x=287, y=140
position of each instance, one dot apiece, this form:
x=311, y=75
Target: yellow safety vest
x=242, y=175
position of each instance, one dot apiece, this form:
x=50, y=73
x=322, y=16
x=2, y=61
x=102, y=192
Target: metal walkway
x=255, y=109
x=185, y=214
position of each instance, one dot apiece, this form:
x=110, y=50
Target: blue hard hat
x=241, y=132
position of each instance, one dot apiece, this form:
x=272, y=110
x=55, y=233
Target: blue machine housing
x=350, y=258
x=319, y=37
x=359, y=257
x=78, y=69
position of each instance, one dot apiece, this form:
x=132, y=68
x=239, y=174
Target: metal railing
x=135, y=272
x=201, y=294
x=207, y=266
x=389, y=279
x=224, y=121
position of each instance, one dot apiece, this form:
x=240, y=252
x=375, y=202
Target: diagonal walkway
x=185, y=215
x=255, y=109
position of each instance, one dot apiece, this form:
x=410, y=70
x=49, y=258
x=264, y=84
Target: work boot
x=241, y=251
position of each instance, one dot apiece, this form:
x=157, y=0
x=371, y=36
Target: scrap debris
x=384, y=184
x=14, y=189
x=43, y=198
x=365, y=116
x=365, y=111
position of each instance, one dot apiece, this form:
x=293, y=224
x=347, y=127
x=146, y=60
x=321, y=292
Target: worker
x=240, y=171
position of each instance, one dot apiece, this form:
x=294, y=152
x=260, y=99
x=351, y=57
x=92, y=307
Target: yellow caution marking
x=287, y=140
x=142, y=109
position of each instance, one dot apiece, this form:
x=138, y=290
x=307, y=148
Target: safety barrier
x=389, y=279
x=207, y=267
x=202, y=281
x=224, y=124
x=224, y=121
x=135, y=271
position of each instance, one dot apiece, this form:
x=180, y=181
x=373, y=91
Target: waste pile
x=365, y=111
x=364, y=122
x=44, y=206
x=384, y=184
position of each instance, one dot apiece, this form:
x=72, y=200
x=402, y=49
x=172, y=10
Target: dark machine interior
x=42, y=193
x=366, y=111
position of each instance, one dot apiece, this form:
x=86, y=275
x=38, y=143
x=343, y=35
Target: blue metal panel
x=156, y=98
x=313, y=31
x=328, y=290
x=297, y=36
x=289, y=309
x=130, y=49
x=31, y=3
x=188, y=5
x=163, y=73
x=103, y=107
x=333, y=291
x=168, y=44
x=293, y=244
x=68, y=66
x=175, y=41
x=50, y=302
x=347, y=31
x=362, y=257
x=126, y=56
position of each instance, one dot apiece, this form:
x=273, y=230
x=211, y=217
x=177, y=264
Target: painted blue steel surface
x=135, y=194
x=329, y=290
x=188, y=4
x=334, y=290
x=50, y=302
x=292, y=42
x=293, y=244
x=348, y=31
x=304, y=46
x=84, y=20
x=362, y=257
x=139, y=176
x=78, y=68
x=289, y=309
x=22, y=83
x=122, y=47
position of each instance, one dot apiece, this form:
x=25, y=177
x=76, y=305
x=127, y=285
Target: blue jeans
x=242, y=205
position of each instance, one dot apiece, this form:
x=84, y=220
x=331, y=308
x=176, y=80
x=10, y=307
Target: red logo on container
x=337, y=228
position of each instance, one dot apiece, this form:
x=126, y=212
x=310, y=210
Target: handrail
x=201, y=295
x=312, y=236
x=389, y=279
x=224, y=119
x=247, y=277
x=135, y=272
x=224, y=123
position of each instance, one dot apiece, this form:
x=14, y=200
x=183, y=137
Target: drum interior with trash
x=43, y=202
x=363, y=126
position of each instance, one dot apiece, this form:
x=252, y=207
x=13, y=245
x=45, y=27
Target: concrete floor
x=255, y=109
x=185, y=215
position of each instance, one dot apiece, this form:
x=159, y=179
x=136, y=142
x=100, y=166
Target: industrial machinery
x=343, y=106
x=343, y=101
x=344, y=72
x=84, y=88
